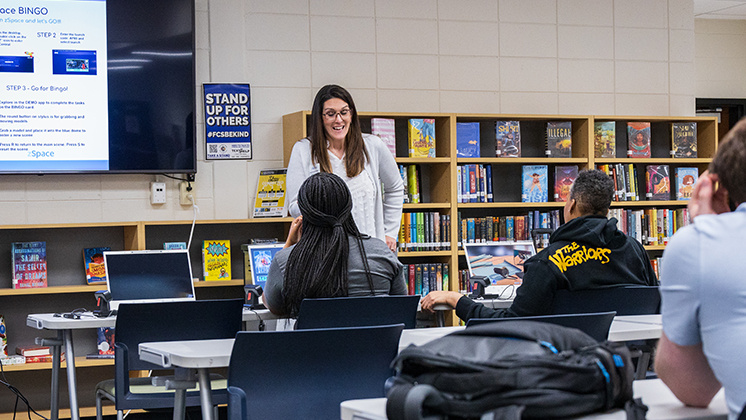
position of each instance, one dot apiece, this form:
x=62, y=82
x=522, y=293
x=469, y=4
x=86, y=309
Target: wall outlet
x=157, y=193
x=186, y=193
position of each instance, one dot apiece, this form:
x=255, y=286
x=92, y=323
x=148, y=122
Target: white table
x=661, y=402
x=194, y=354
x=623, y=328
x=442, y=308
x=65, y=327
x=205, y=354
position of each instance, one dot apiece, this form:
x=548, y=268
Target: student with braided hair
x=326, y=256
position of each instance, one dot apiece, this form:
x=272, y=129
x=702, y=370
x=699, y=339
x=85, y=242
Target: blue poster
x=227, y=121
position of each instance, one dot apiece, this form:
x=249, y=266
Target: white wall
x=720, y=58
x=603, y=57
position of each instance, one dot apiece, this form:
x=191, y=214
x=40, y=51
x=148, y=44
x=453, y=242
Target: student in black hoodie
x=587, y=252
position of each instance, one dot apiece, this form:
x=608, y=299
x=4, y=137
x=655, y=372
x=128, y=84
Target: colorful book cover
x=29, y=264
x=508, y=139
x=638, y=139
x=105, y=340
x=413, y=184
x=535, y=184
x=604, y=135
x=385, y=129
x=658, y=182
x=684, y=140
x=3, y=338
x=467, y=139
x=685, y=180
x=559, y=139
x=174, y=245
x=564, y=176
x=216, y=260
x=93, y=260
x=421, y=137
x=270, y=193
x=403, y=174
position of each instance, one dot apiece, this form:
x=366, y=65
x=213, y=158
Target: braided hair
x=317, y=265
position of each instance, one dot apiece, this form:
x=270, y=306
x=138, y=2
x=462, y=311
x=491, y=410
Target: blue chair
x=146, y=322
x=306, y=374
x=596, y=325
x=624, y=300
x=358, y=311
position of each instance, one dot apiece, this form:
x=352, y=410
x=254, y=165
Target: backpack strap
x=406, y=401
x=635, y=409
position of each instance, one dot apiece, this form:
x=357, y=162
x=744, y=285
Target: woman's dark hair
x=317, y=265
x=355, y=153
x=729, y=163
x=593, y=191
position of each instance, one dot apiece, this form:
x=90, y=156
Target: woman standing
x=336, y=145
x=326, y=256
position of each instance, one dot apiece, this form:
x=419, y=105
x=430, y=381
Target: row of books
x=410, y=176
x=558, y=140
x=474, y=183
x=29, y=262
x=683, y=139
x=535, y=183
x=421, y=135
x=425, y=231
x=424, y=278
x=505, y=228
x=657, y=181
x=651, y=226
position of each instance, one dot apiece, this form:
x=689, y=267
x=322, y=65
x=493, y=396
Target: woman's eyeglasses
x=332, y=115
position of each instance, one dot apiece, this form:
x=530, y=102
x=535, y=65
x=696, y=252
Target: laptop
x=501, y=263
x=148, y=276
x=260, y=257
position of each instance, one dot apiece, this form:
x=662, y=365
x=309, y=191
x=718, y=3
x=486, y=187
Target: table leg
x=54, y=402
x=205, y=393
x=71, y=386
x=440, y=318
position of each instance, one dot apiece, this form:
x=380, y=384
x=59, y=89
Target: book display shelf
x=440, y=175
x=67, y=289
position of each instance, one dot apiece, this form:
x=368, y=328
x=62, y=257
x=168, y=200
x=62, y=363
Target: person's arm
x=465, y=307
x=296, y=229
x=392, y=194
x=272, y=295
x=298, y=164
x=399, y=282
x=684, y=369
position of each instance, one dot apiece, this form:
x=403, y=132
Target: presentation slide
x=54, y=103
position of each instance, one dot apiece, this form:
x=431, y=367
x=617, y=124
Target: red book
x=411, y=279
x=46, y=358
x=33, y=350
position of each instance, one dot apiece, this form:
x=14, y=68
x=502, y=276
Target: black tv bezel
x=193, y=92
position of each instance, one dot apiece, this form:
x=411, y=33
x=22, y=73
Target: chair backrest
x=624, y=300
x=358, y=311
x=596, y=325
x=306, y=374
x=145, y=322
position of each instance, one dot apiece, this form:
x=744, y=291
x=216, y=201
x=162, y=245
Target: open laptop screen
x=260, y=257
x=501, y=262
x=148, y=276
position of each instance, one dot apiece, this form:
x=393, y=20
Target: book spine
x=488, y=175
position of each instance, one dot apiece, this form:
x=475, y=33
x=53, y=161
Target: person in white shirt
x=336, y=144
x=703, y=292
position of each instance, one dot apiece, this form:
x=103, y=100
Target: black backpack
x=512, y=370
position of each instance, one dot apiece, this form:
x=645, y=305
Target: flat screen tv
x=97, y=86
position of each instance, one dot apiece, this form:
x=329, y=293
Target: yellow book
x=216, y=260
x=421, y=137
x=270, y=193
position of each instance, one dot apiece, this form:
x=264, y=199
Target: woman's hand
x=706, y=199
x=296, y=228
x=391, y=243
